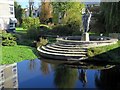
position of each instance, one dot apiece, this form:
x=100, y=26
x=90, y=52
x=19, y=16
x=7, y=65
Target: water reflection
x=44, y=68
x=82, y=76
x=39, y=74
x=65, y=77
x=108, y=78
x=32, y=65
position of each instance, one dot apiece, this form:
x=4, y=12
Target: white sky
x=24, y=3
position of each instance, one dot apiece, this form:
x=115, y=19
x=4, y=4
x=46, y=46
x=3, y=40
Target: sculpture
x=86, y=16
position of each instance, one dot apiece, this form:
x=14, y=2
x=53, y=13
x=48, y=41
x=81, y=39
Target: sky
x=24, y=3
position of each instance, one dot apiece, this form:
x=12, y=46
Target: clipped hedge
x=8, y=39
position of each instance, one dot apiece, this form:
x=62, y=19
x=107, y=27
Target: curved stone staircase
x=72, y=48
x=62, y=51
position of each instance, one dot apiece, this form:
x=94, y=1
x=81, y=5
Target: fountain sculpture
x=75, y=47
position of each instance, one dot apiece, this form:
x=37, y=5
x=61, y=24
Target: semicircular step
x=64, y=52
x=65, y=49
x=58, y=55
x=68, y=45
x=54, y=45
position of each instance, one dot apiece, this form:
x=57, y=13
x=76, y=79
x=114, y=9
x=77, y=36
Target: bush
x=77, y=32
x=61, y=30
x=42, y=42
x=8, y=39
x=30, y=23
x=35, y=33
x=66, y=30
x=9, y=43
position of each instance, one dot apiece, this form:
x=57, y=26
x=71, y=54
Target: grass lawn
x=20, y=52
x=20, y=30
x=12, y=54
x=110, y=52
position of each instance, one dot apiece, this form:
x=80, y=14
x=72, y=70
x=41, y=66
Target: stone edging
x=89, y=44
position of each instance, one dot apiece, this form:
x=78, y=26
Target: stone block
x=85, y=37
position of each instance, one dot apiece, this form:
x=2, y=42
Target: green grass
x=12, y=54
x=110, y=52
x=21, y=30
x=0, y=52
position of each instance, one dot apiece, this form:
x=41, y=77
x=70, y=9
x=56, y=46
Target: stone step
x=65, y=49
x=68, y=45
x=62, y=47
x=63, y=52
x=59, y=54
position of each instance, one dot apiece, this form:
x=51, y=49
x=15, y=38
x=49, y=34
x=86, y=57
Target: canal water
x=40, y=74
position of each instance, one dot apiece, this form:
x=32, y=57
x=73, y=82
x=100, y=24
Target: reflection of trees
x=83, y=77
x=44, y=68
x=32, y=64
x=65, y=77
x=108, y=79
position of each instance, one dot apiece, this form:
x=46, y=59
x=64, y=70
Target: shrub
x=8, y=39
x=42, y=42
x=9, y=43
x=30, y=23
x=66, y=30
x=62, y=30
x=35, y=33
x=76, y=32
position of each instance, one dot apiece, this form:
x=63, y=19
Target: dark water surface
x=39, y=74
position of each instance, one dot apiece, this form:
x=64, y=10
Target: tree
x=68, y=11
x=18, y=13
x=68, y=14
x=110, y=12
x=46, y=12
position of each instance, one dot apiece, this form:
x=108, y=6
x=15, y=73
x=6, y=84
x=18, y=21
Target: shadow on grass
x=25, y=41
x=112, y=56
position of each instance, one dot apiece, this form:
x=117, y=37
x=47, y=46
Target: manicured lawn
x=20, y=52
x=12, y=54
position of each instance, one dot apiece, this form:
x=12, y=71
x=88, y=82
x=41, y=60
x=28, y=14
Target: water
x=40, y=74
